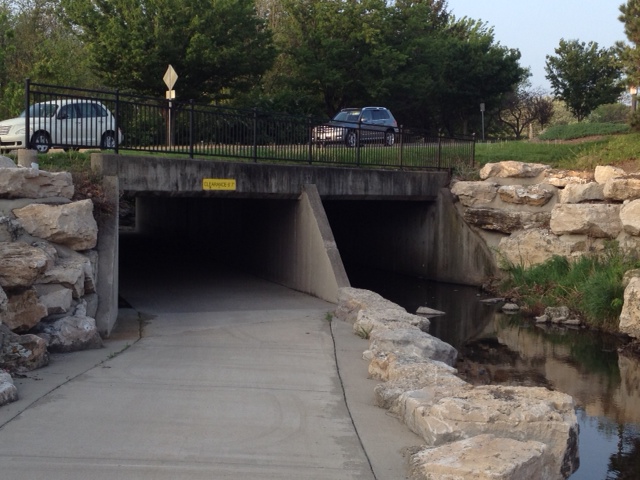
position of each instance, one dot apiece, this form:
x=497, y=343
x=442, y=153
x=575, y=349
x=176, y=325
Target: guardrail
x=134, y=122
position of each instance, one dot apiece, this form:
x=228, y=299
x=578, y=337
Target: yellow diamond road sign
x=170, y=77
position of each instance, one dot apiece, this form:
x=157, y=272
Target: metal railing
x=123, y=121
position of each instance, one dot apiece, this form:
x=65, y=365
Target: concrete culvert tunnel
x=291, y=225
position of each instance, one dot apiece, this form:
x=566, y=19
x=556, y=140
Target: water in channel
x=503, y=349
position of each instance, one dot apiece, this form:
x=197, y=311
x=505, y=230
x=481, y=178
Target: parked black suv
x=355, y=126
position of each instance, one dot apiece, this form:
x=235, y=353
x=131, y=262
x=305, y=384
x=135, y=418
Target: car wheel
x=389, y=138
x=351, y=140
x=41, y=141
x=108, y=141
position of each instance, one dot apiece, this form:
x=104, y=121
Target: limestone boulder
x=24, y=311
x=563, y=178
x=504, y=221
x=70, y=334
x=9, y=229
x=531, y=247
x=72, y=224
x=21, y=182
x=412, y=343
x=21, y=353
x=628, y=275
x=585, y=192
x=369, y=320
x=630, y=217
x=483, y=457
x=620, y=189
x=387, y=366
x=8, y=391
x=511, y=169
x=21, y=264
x=630, y=315
x=519, y=413
x=595, y=220
x=56, y=298
x=72, y=270
x=352, y=300
x=6, y=162
x=604, y=173
x=4, y=304
x=534, y=195
x=475, y=193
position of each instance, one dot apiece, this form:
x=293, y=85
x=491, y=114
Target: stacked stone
x=48, y=268
x=470, y=432
x=529, y=213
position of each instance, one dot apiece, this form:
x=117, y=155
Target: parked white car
x=65, y=123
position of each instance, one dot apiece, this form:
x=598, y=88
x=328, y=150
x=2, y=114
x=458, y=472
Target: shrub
x=590, y=286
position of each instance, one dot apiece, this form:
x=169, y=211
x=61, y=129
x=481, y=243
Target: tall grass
x=591, y=286
x=583, y=129
x=587, y=154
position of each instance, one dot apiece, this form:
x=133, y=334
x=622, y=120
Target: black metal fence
x=72, y=118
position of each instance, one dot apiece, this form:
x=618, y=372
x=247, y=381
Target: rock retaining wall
x=528, y=213
x=469, y=432
x=48, y=271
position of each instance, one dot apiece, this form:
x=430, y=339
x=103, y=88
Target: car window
x=366, y=116
x=41, y=110
x=92, y=110
x=348, y=116
x=380, y=115
x=67, y=112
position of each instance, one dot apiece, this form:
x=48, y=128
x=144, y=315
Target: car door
x=366, y=126
x=67, y=129
x=93, y=116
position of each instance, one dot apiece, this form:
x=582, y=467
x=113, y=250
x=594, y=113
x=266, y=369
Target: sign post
x=170, y=78
x=482, y=113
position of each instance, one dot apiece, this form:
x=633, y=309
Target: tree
x=36, y=44
x=334, y=50
x=630, y=55
x=525, y=107
x=216, y=47
x=584, y=76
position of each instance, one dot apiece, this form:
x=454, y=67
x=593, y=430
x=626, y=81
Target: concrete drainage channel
x=521, y=432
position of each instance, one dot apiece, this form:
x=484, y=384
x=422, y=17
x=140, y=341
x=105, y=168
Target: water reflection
x=497, y=348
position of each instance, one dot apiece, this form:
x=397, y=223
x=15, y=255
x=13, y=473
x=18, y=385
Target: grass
x=583, y=155
x=582, y=130
x=590, y=286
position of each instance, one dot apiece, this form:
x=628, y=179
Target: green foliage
x=590, y=286
x=554, y=154
x=217, y=48
x=584, y=76
x=610, y=113
x=581, y=130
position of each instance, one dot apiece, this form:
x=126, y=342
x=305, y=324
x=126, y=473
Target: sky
x=535, y=27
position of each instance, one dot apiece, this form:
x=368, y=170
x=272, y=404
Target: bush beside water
x=591, y=286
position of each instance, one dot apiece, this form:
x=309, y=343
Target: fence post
x=255, y=134
x=358, y=142
x=27, y=116
x=439, y=154
x=310, y=135
x=116, y=132
x=473, y=152
x=191, y=128
x=401, y=134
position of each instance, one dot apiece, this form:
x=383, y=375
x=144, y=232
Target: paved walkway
x=233, y=378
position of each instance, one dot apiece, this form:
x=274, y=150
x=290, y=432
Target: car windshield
x=348, y=116
x=42, y=110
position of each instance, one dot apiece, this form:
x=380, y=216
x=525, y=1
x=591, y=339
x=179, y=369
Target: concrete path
x=233, y=378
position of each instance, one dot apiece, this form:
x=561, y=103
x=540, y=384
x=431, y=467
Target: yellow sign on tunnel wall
x=218, y=183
